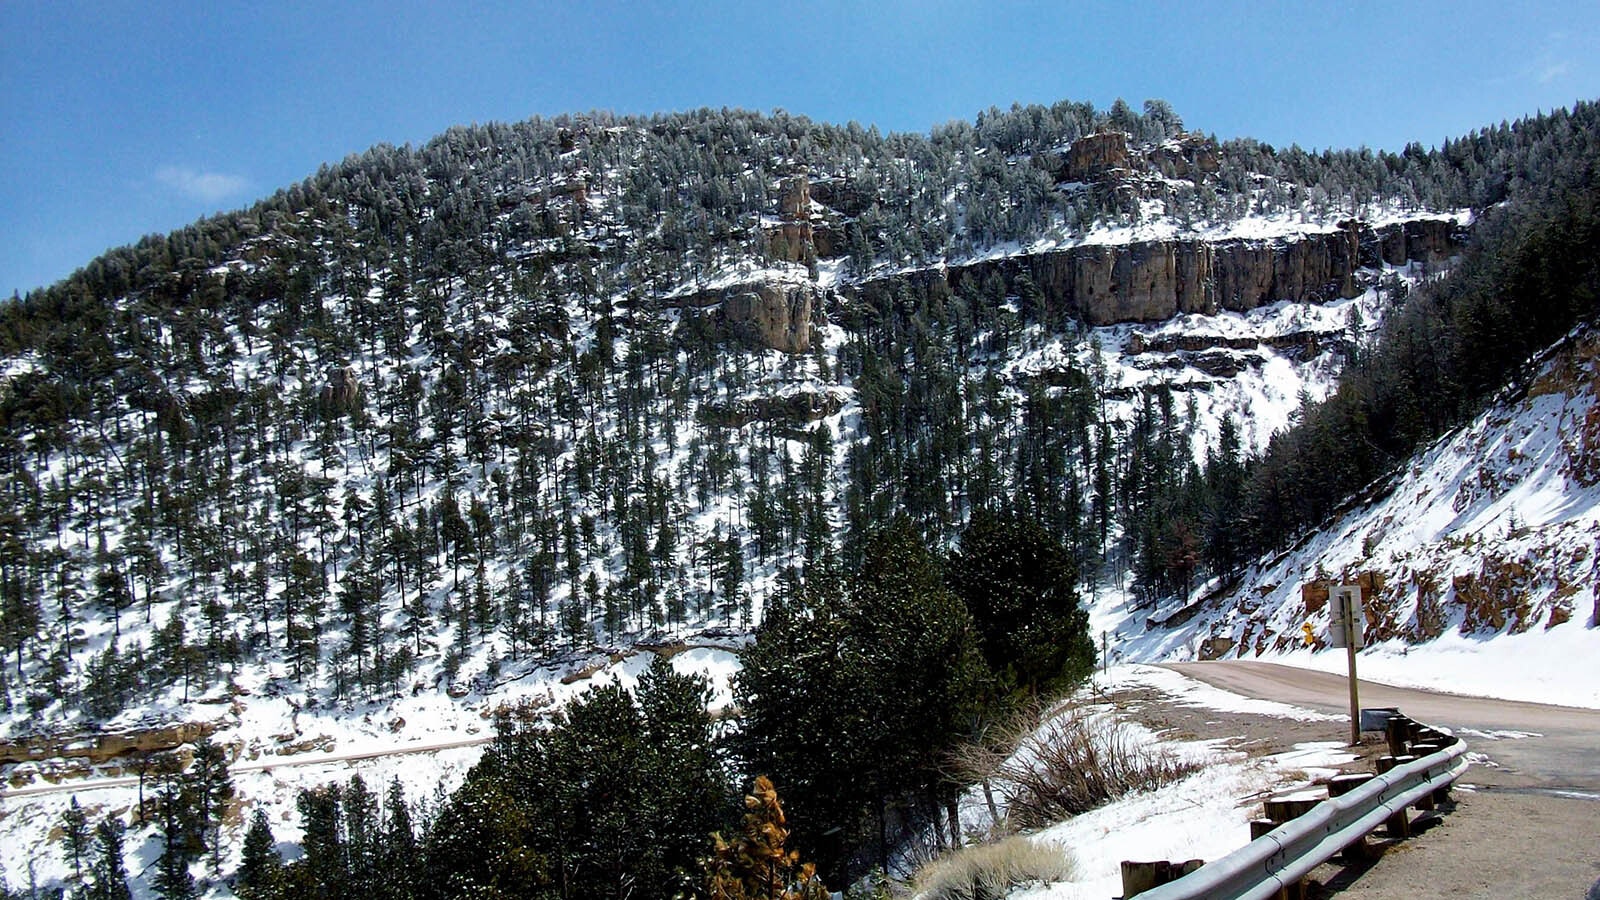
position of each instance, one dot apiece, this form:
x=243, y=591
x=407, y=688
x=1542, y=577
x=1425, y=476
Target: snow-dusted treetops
x=438, y=413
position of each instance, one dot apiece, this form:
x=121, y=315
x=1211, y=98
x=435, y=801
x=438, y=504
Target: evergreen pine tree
x=211, y=788
x=75, y=837
x=110, y=877
x=1018, y=583
x=260, y=875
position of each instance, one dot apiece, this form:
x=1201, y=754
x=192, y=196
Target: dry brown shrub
x=992, y=871
x=1077, y=761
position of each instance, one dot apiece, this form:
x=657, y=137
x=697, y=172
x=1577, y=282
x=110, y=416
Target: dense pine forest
x=440, y=415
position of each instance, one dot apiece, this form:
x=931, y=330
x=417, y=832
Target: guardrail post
x=1285, y=848
x=1138, y=877
x=1338, y=786
x=1385, y=763
x=1420, y=750
x=1279, y=810
x=1395, y=732
x=1289, y=806
x=1259, y=829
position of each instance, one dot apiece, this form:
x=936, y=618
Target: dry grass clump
x=1078, y=761
x=991, y=871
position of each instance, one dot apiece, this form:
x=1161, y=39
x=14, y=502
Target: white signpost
x=1346, y=628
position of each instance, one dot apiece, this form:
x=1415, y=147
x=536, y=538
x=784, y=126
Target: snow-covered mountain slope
x=1485, y=548
x=450, y=427
x=283, y=732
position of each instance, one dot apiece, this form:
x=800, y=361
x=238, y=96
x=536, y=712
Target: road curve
x=1561, y=751
x=1525, y=830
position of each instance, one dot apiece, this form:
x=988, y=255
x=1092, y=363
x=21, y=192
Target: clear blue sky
x=122, y=119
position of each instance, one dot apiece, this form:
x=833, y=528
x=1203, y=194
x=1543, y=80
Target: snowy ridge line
x=1278, y=859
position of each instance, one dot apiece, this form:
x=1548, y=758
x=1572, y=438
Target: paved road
x=1563, y=753
x=1529, y=826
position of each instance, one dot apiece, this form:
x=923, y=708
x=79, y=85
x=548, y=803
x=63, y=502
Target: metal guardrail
x=1278, y=859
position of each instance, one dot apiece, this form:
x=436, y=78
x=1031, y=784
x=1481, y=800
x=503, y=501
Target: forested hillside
x=441, y=418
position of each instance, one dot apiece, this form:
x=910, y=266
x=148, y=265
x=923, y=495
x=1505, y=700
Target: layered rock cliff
x=1150, y=281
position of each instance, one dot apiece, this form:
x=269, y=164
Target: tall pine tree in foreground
x=260, y=875
x=110, y=875
x=616, y=795
x=852, y=692
x=1018, y=582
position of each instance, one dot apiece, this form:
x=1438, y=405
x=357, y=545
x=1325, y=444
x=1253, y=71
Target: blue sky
x=123, y=119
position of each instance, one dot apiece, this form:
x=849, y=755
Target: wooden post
x=1398, y=825
x=1344, y=602
x=1394, y=731
x=1338, y=786
x=1355, y=699
x=1285, y=807
x=1442, y=794
x=1138, y=877
x=1419, y=750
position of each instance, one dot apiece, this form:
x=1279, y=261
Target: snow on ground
x=283, y=744
x=1154, y=225
x=1205, y=816
x=1190, y=692
x=1488, y=544
x=1555, y=666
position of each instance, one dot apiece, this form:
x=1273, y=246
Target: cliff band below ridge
x=1151, y=281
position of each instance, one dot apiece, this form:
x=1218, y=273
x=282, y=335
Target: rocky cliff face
x=800, y=236
x=1151, y=281
x=805, y=232
x=1095, y=156
x=1191, y=157
x=775, y=315
x=1106, y=158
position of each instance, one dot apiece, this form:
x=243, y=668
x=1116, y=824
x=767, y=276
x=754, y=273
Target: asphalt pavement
x=1525, y=822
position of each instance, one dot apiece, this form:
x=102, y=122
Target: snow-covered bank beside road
x=1203, y=816
x=1556, y=667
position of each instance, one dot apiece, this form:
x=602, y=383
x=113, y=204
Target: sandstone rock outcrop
x=791, y=242
x=793, y=239
x=100, y=748
x=846, y=197
x=1430, y=241
x=794, y=197
x=1151, y=281
x=342, y=392
x=1190, y=156
x=797, y=408
x=769, y=314
x=1094, y=156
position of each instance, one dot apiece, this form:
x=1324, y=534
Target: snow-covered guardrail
x=1280, y=858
